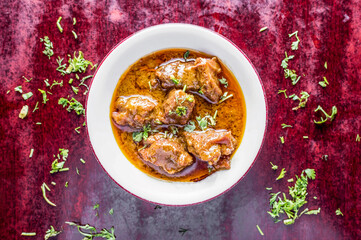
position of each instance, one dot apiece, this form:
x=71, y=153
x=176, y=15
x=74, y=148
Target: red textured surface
x=329, y=31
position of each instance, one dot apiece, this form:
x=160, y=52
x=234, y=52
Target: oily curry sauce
x=231, y=114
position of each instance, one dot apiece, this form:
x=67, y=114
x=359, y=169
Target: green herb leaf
x=283, y=91
x=45, y=187
x=74, y=34
x=259, y=230
x=24, y=111
x=261, y=30
x=111, y=211
x=294, y=45
x=174, y=80
x=28, y=234
x=19, y=89
x=282, y=139
x=313, y=212
x=48, y=46
x=58, y=25
x=45, y=99
x=190, y=127
x=311, y=174
x=55, y=83
x=186, y=55
x=327, y=116
x=338, y=212
x=274, y=167
x=358, y=139
x=223, y=81
x=90, y=232
x=183, y=230
x=282, y=174
x=73, y=105
x=284, y=125
x=51, y=233
x=203, y=122
x=181, y=111
x=302, y=100
x=28, y=95
x=78, y=64
x=324, y=83
x=284, y=63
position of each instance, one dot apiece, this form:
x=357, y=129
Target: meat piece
x=211, y=144
x=177, y=107
x=134, y=111
x=167, y=153
x=199, y=76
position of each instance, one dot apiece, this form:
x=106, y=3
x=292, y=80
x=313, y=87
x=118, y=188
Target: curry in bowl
x=178, y=115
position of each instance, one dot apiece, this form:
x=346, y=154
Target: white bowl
x=100, y=132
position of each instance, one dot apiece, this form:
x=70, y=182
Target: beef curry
x=178, y=115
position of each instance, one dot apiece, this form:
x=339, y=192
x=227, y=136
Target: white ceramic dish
x=99, y=126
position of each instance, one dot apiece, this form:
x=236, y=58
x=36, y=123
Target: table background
x=329, y=31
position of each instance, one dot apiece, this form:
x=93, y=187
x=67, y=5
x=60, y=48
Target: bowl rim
x=184, y=25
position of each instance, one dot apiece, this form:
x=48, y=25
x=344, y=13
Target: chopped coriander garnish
x=224, y=97
x=55, y=83
x=66, y=184
x=282, y=174
x=96, y=206
x=75, y=89
x=305, y=137
x=223, y=81
x=48, y=46
x=325, y=157
x=268, y=188
x=200, y=91
x=36, y=106
x=19, y=89
x=45, y=99
x=28, y=234
x=313, y=212
x=324, y=83
x=51, y=233
x=284, y=63
x=183, y=230
x=45, y=187
x=31, y=153
x=138, y=136
x=77, y=171
x=186, y=55
x=38, y=123
x=28, y=95
x=338, y=212
x=283, y=91
x=284, y=125
x=274, y=167
x=111, y=211
x=77, y=76
x=282, y=139
x=77, y=130
x=58, y=165
x=294, y=45
x=24, y=111
x=174, y=80
x=73, y=105
x=89, y=232
x=78, y=64
x=259, y=230
x=290, y=180
x=203, y=122
x=71, y=81
x=150, y=85
x=290, y=207
x=327, y=116
x=82, y=160
x=74, y=21
x=58, y=25
x=292, y=75
x=8, y=91
x=261, y=30
x=27, y=80
x=61, y=68
x=302, y=100
x=181, y=111
x=314, y=197
x=358, y=139
x=325, y=65
x=47, y=83
x=190, y=127
x=53, y=183
x=74, y=34
x=184, y=88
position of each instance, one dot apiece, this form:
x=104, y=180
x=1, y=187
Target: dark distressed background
x=329, y=31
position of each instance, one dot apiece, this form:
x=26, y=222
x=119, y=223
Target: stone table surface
x=329, y=31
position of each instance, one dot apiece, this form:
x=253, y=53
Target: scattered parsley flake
x=47, y=84
x=338, y=212
x=223, y=81
x=289, y=73
x=313, y=212
x=27, y=80
x=327, y=116
x=190, y=127
x=325, y=157
x=19, y=89
x=283, y=91
x=325, y=65
x=77, y=171
x=38, y=123
x=294, y=45
x=89, y=232
x=96, y=206
x=314, y=197
x=111, y=211
x=26, y=96
x=45, y=187
x=290, y=180
x=48, y=46
x=205, y=121
x=75, y=89
x=78, y=64
x=53, y=183
x=28, y=234
x=305, y=137
x=358, y=139
x=31, y=153
x=324, y=83
x=82, y=160
x=24, y=111
x=186, y=55
x=61, y=68
x=174, y=80
x=302, y=100
x=282, y=139
x=58, y=163
x=74, y=34
x=51, y=233
x=73, y=105
x=261, y=30
x=55, y=83
x=71, y=81
x=284, y=63
x=284, y=125
x=268, y=188
x=66, y=184
x=45, y=99
x=36, y=106
x=8, y=91
x=138, y=136
x=282, y=174
x=77, y=130
x=259, y=230
x=181, y=111
x=74, y=21
x=274, y=167
x=58, y=25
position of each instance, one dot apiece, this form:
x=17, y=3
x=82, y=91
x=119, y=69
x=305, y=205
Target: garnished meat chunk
x=199, y=76
x=177, y=107
x=210, y=145
x=167, y=153
x=134, y=111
